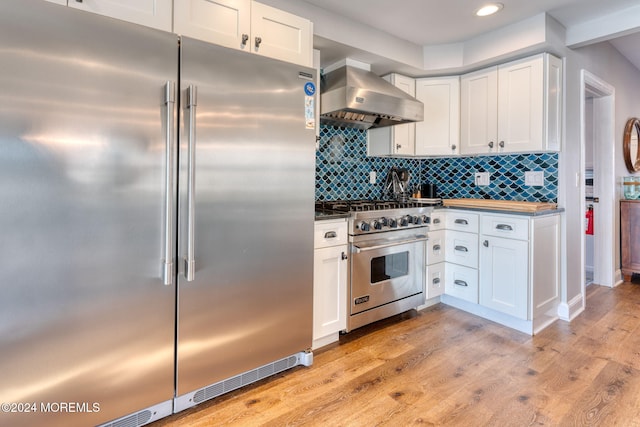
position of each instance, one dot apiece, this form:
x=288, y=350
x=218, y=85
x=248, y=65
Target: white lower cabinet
x=329, y=281
x=461, y=282
x=511, y=275
x=435, y=274
x=503, y=275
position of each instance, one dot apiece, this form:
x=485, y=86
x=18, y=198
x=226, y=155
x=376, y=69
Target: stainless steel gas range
x=387, y=257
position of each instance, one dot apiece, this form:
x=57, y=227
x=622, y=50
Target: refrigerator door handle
x=190, y=262
x=168, y=271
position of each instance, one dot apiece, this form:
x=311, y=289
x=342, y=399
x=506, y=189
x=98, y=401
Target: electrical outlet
x=482, y=178
x=534, y=178
x=372, y=177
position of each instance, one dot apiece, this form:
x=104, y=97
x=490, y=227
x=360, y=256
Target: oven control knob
x=384, y=221
x=404, y=221
x=417, y=220
x=393, y=223
x=363, y=226
x=376, y=224
x=425, y=219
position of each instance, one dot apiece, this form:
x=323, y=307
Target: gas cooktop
x=370, y=205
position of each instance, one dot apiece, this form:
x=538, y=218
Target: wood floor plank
x=445, y=367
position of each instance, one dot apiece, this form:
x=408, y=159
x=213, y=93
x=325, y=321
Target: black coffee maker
x=428, y=191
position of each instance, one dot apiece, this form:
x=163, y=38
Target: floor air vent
x=241, y=380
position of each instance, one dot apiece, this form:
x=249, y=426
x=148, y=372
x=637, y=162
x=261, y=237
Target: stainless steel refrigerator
x=156, y=208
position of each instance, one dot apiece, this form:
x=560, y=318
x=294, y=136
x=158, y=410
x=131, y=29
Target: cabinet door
x=439, y=132
x=435, y=280
x=329, y=291
x=152, y=13
x=504, y=275
x=223, y=22
x=62, y=2
x=520, y=105
x=398, y=140
x=479, y=112
x=281, y=35
x=436, y=247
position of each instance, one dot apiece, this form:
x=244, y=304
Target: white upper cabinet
x=515, y=107
x=439, y=132
x=151, y=13
x=224, y=22
x=397, y=140
x=247, y=25
x=479, y=112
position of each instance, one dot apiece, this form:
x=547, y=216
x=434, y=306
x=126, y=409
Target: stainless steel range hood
x=354, y=97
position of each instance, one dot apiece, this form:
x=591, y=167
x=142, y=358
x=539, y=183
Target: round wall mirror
x=630, y=145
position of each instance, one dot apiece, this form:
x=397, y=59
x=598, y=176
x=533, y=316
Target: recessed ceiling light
x=489, y=9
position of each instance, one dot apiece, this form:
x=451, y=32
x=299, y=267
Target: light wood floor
x=442, y=366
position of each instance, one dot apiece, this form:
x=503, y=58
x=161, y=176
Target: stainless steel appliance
x=110, y=275
x=387, y=262
x=354, y=97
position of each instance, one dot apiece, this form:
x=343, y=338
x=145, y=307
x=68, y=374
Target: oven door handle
x=362, y=248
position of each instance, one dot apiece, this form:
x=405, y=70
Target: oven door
x=384, y=271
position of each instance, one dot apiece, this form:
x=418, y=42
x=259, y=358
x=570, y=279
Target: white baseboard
x=569, y=310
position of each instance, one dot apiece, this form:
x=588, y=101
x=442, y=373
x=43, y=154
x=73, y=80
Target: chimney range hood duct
x=354, y=97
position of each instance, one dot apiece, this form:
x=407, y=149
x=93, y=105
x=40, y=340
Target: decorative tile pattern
x=342, y=171
x=342, y=166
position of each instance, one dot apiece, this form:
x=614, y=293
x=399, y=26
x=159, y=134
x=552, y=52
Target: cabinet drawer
x=509, y=226
x=461, y=282
x=437, y=220
x=435, y=280
x=462, y=221
x=330, y=233
x=462, y=248
x=436, y=247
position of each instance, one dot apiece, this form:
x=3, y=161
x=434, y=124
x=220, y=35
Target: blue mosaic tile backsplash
x=342, y=171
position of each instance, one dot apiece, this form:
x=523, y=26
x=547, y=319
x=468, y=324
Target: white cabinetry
x=513, y=276
x=329, y=281
x=435, y=271
x=520, y=272
x=247, y=25
x=151, y=13
x=439, y=132
x=398, y=140
x=514, y=107
x=461, y=255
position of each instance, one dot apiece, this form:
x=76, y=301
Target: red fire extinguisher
x=589, y=220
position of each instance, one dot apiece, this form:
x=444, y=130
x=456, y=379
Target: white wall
x=604, y=61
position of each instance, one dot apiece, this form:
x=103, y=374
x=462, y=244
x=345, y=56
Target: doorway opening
x=598, y=185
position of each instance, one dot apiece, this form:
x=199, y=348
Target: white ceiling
x=434, y=22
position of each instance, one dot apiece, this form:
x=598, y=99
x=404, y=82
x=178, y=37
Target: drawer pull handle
x=460, y=283
x=330, y=235
x=436, y=281
x=461, y=248
x=344, y=256
x=485, y=243
x=505, y=227
x=436, y=220
x=461, y=221
x=436, y=248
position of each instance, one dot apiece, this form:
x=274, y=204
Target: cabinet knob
x=501, y=144
x=485, y=243
x=490, y=144
x=398, y=146
x=258, y=41
x=245, y=39
x=453, y=147
x=344, y=256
